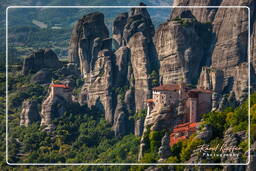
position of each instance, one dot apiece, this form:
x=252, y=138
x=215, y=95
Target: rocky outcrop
x=121, y=118
x=179, y=52
x=138, y=33
x=233, y=140
x=211, y=79
x=118, y=28
x=55, y=103
x=138, y=21
x=122, y=61
x=69, y=69
x=201, y=14
x=138, y=127
x=140, y=65
x=29, y=113
x=97, y=91
x=86, y=40
x=164, y=150
x=43, y=58
x=230, y=47
x=42, y=77
x=164, y=119
x=205, y=134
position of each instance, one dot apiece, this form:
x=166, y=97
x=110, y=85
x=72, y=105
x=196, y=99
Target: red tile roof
x=184, y=130
x=167, y=87
x=150, y=100
x=60, y=85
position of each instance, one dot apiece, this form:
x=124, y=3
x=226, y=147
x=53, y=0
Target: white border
x=100, y=164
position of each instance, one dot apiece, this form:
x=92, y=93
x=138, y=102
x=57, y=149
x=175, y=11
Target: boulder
x=43, y=58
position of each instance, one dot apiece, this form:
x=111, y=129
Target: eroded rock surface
x=202, y=15
x=29, y=113
x=179, y=52
x=86, y=40
x=43, y=58
x=55, y=104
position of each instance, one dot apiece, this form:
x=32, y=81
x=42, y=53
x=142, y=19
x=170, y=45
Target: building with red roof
x=183, y=131
x=190, y=103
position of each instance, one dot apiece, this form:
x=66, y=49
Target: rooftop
x=185, y=127
x=183, y=131
x=167, y=87
x=60, y=85
x=172, y=87
x=150, y=100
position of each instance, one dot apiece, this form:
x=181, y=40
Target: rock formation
x=98, y=91
x=201, y=14
x=206, y=133
x=55, y=103
x=138, y=33
x=179, y=51
x=43, y=58
x=86, y=40
x=108, y=72
x=29, y=113
x=211, y=79
x=164, y=150
x=230, y=140
x=118, y=28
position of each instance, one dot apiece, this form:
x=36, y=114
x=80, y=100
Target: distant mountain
x=27, y=34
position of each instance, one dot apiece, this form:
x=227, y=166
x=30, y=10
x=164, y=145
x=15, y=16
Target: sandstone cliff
x=202, y=15
x=29, y=113
x=179, y=51
x=119, y=72
x=86, y=41
x=55, y=104
x=98, y=90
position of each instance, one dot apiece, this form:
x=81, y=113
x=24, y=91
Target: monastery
x=190, y=103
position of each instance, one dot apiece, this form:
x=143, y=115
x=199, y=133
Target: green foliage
x=239, y=118
x=184, y=22
x=188, y=147
x=155, y=138
x=120, y=91
x=217, y=120
x=176, y=150
x=140, y=115
x=154, y=78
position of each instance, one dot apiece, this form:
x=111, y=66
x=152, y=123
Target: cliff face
x=86, y=41
x=118, y=28
x=203, y=15
x=55, y=104
x=29, y=113
x=179, y=51
x=228, y=45
x=116, y=81
x=98, y=90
